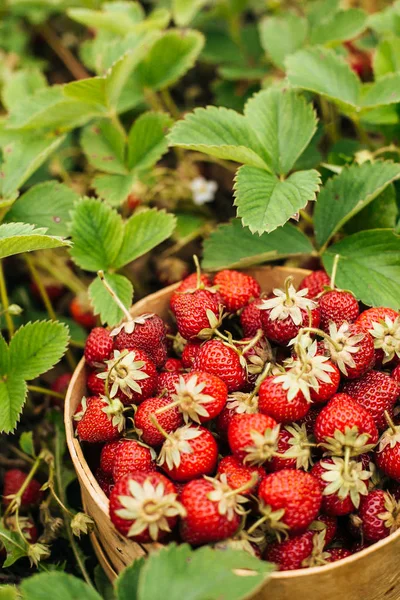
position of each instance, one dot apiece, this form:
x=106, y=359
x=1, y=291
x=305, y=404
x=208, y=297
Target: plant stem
x=153, y=100
x=170, y=104
x=5, y=302
x=18, y=495
x=362, y=134
x=334, y=270
x=114, y=296
x=73, y=65
x=117, y=122
x=304, y=214
x=45, y=391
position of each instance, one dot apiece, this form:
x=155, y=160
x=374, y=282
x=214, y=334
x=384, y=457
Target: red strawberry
x=99, y=420
x=105, y=481
x=26, y=525
x=238, y=474
x=173, y=365
x=309, y=420
x=144, y=506
x=328, y=524
x=290, y=500
x=200, y=396
x=236, y=289
x=98, y=347
x=189, y=354
x=277, y=401
x=13, y=481
x=197, y=314
x=291, y=554
x=253, y=437
x=222, y=360
x=61, y=384
x=387, y=455
x=131, y=375
x=107, y=457
x=94, y=384
x=338, y=307
x=315, y=283
x=188, y=452
x=213, y=511
x=335, y=554
x=131, y=455
x=384, y=326
x=257, y=356
x=283, y=315
x=166, y=383
x=326, y=390
x=238, y=403
x=351, y=349
x=189, y=283
x=380, y=515
x=294, y=448
x=250, y=318
x=145, y=332
x=396, y=373
x=377, y=392
x=344, y=422
x=82, y=312
x=169, y=420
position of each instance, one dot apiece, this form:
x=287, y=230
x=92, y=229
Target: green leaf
x=381, y=213
x=103, y=304
x=143, y=232
x=232, y=245
x=322, y=71
x=36, y=347
x=386, y=58
x=342, y=25
x=147, y=140
x=8, y=592
x=382, y=92
x=369, y=266
x=13, y=392
x=282, y=36
x=114, y=189
x=97, y=232
x=104, y=146
x=26, y=443
x=319, y=11
x=22, y=158
x=128, y=582
x=264, y=202
x=88, y=91
x=170, y=57
x=20, y=84
x=14, y=544
x=344, y=195
x=184, y=12
x=219, y=132
x=104, y=585
x=179, y=565
x=188, y=225
x=387, y=20
x=22, y=237
x=48, y=586
x=4, y=356
x=47, y=204
x=284, y=124
x=118, y=17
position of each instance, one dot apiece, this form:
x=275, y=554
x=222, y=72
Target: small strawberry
x=377, y=392
x=146, y=332
x=188, y=452
x=338, y=307
x=200, y=396
x=253, y=437
x=250, y=318
x=144, y=506
x=387, y=455
x=335, y=554
x=213, y=511
x=105, y=481
x=173, y=365
x=238, y=474
x=283, y=315
x=107, y=456
x=293, y=449
x=315, y=283
x=291, y=554
x=223, y=360
x=257, y=355
x=60, y=385
x=99, y=420
x=342, y=423
x=384, y=326
x=236, y=289
x=197, y=314
x=189, y=283
x=380, y=515
x=130, y=375
x=277, y=400
x=328, y=524
x=13, y=481
x=82, y=312
x=94, y=384
x=169, y=420
x=98, y=347
x=289, y=500
x=132, y=455
x=189, y=353
x=351, y=349
x=166, y=383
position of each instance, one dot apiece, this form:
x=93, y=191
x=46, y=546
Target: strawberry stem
x=253, y=341
x=322, y=334
x=160, y=428
x=260, y=379
x=334, y=271
x=198, y=271
x=288, y=283
x=114, y=296
x=389, y=421
x=257, y=523
x=246, y=486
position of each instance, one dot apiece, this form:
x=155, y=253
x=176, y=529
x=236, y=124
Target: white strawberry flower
x=203, y=190
x=190, y=399
x=386, y=334
x=123, y=372
x=177, y=443
x=288, y=303
x=149, y=507
x=129, y=325
x=344, y=345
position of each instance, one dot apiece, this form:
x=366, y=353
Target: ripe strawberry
x=338, y=307
x=145, y=332
x=169, y=420
x=250, y=318
x=396, y=373
x=335, y=554
x=237, y=403
x=222, y=360
x=197, y=314
x=377, y=392
x=200, y=396
x=173, y=365
x=275, y=399
x=384, y=326
x=238, y=474
x=380, y=515
x=253, y=437
x=99, y=420
x=94, y=384
x=236, y=289
x=328, y=524
x=166, y=383
x=387, y=455
x=256, y=357
x=105, y=481
x=189, y=283
x=291, y=554
x=189, y=354
x=107, y=456
x=294, y=448
x=283, y=315
x=188, y=452
x=98, y=346
x=131, y=376
x=294, y=492
x=344, y=422
x=326, y=390
x=309, y=420
x=144, y=506
x=213, y=511
x=315, y=283
x=82, y=312
x=132, y=455
x=133, y=201
x=13, y=481
x=61, y=384
x=351, y=349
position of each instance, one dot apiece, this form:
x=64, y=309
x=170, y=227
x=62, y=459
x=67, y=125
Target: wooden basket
x=372, y=574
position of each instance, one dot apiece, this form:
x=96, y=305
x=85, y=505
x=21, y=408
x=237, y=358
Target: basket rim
x=87, y=479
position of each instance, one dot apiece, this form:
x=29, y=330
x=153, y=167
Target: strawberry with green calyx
x=236, y=289
x=99, y=419
x=133, y=455
x=144, y=506
x=379, y=515
x=282, y=397
x=293, y=450
x=384, y=326
x=238, y=474
x=237, y=403
x=387, y=454
x=195, y=281
x=316, y=283
x=253, y=438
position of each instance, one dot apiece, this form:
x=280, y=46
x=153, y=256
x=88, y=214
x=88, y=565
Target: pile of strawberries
x=267, y=423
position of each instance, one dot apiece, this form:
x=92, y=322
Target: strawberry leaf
x=102, y=303
x=13, y=392
x=282, y=36
x=20, y=84
x=14, y=544
x=128, y=582
x=47, y=586
x=183, y=11
x=340, y=26
x=233, y=246
x=119, y=18
x=16, y=238
x=385, y=91
x=26, y=443
x=114, y=189
x=265, y=202
x=386, y=57
x=104, y=146
x=147, y=140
